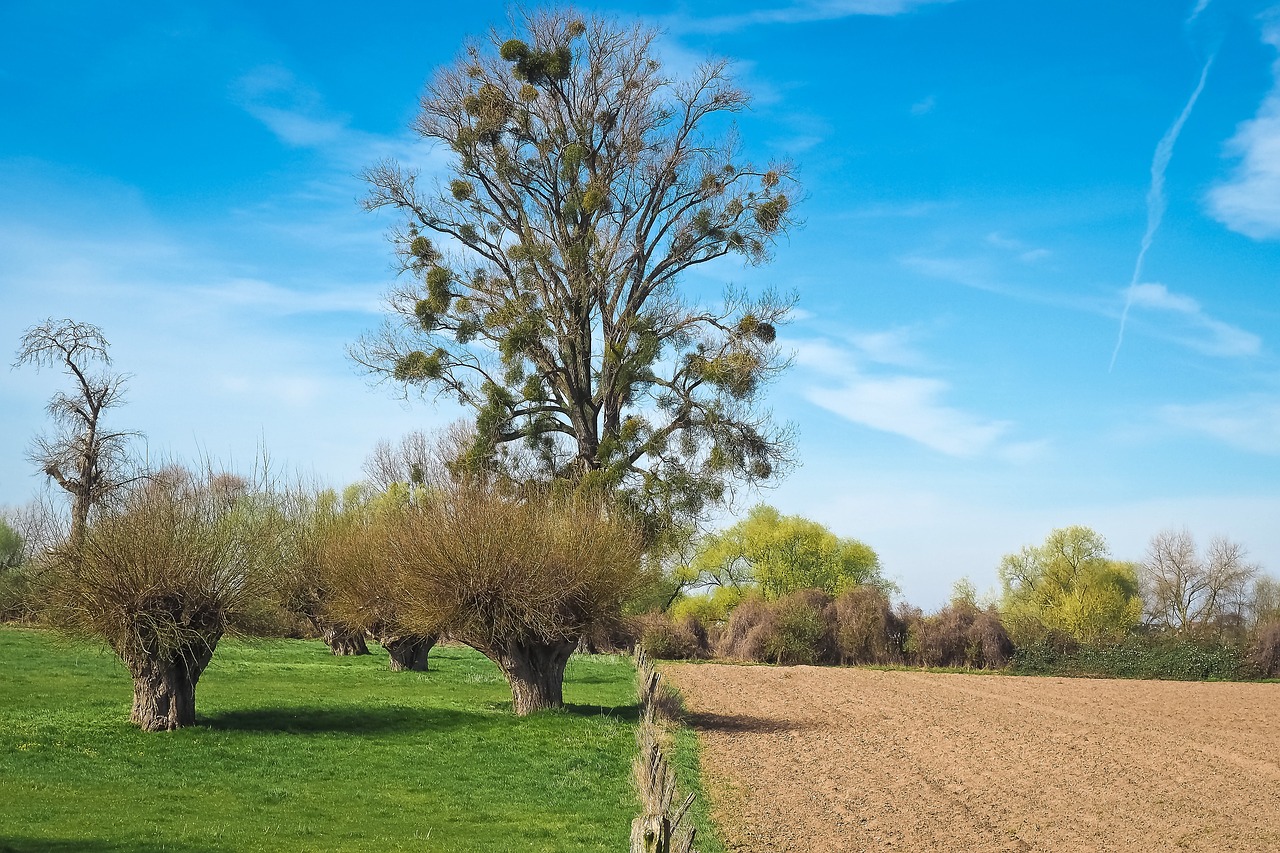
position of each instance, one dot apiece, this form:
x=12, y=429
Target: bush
x=1155, y=656
x=796, y=629
x=801, y=632
x=744, y=635
x=961, y=635
x=866, y=630
x=17, y=599
x=1264, y=651
x=674, y=639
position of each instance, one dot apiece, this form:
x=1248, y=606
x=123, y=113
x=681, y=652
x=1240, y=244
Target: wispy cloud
x=291, y=110
x=1023, y=252
x=1200, y=6
x=924, y=106
x=296, y=114
x=1156, y=200
x=912, y=406
x=808, y=11
x=1250, y=423
x=1196, y=329
x=1249, y=200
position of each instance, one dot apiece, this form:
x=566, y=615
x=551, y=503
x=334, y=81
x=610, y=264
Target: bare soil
x=823, y=759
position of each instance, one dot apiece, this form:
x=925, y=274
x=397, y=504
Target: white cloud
x=924, y=107
x=1250, y=423
x=1249, y=200
x=1200, y=6
x=807, y=11
x=1197, y=330
x=910, y=406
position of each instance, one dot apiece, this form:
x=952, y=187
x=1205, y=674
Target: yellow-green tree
x=784, y=553
x=1070, y=585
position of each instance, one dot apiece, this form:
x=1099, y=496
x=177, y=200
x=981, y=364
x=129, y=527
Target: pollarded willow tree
x=162, y=571
x=546, y=272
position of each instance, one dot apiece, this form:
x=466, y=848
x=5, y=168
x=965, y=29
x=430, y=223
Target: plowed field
x=823, y=759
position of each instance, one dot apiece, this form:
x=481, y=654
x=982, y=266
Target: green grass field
x=296, y=750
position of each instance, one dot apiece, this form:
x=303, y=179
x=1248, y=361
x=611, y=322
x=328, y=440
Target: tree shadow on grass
x=625, y=713
x=349, y=719
x=9, y=844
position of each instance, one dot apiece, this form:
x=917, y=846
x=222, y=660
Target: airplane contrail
x=1155, y=195
x=1195, y=13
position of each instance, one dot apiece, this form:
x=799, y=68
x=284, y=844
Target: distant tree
x=1264, y=601
x=363, y=577
x=784, y=553
x=405, y=462
x=519, y=578
x=1190, y=593
x=305, y=585
x=1070, y=585
x=585, y=181
x=161, y=573
x=81, y=456
x=11, y=547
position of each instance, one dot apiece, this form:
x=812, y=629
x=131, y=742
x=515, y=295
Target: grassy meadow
x=296, y=750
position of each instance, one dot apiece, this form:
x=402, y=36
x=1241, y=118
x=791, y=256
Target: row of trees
x=170, y=564
x=1071, y=585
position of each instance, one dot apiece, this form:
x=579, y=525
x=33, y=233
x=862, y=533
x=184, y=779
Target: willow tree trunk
x=409, y=652
x=535, y=672
x=164, y=688
x=343, y=641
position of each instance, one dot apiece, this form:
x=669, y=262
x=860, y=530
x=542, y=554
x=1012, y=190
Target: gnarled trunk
x=409, y=652
x=535, y=671
x=342, y=641
x=164, y=688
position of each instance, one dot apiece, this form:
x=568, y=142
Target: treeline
x=1064, y=608
x=861, y=627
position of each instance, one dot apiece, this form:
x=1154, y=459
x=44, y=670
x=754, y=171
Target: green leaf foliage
x=781, y=554
x=1069, y=585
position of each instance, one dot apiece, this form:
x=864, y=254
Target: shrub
x=1158, y=656
x=673, y=639
x=796, y=629
x=801, y=633
x=1264, y=650
x=961, y=635
x=866, y=630
x=743, y=636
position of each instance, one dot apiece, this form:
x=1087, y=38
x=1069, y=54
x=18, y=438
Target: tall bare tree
x=80, y=455
x=1188, y=592
x=585, y=182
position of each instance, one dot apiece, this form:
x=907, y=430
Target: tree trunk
x=164, y=689
x=342, y=640
x=535, y=672
x=409, y=652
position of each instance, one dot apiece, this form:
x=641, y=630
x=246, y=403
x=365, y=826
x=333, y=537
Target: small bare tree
x=161, y=573
x=81, y=456
x=405, y=462
x=1190, y=593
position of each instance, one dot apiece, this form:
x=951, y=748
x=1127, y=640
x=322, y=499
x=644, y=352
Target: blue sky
x=980, y=175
